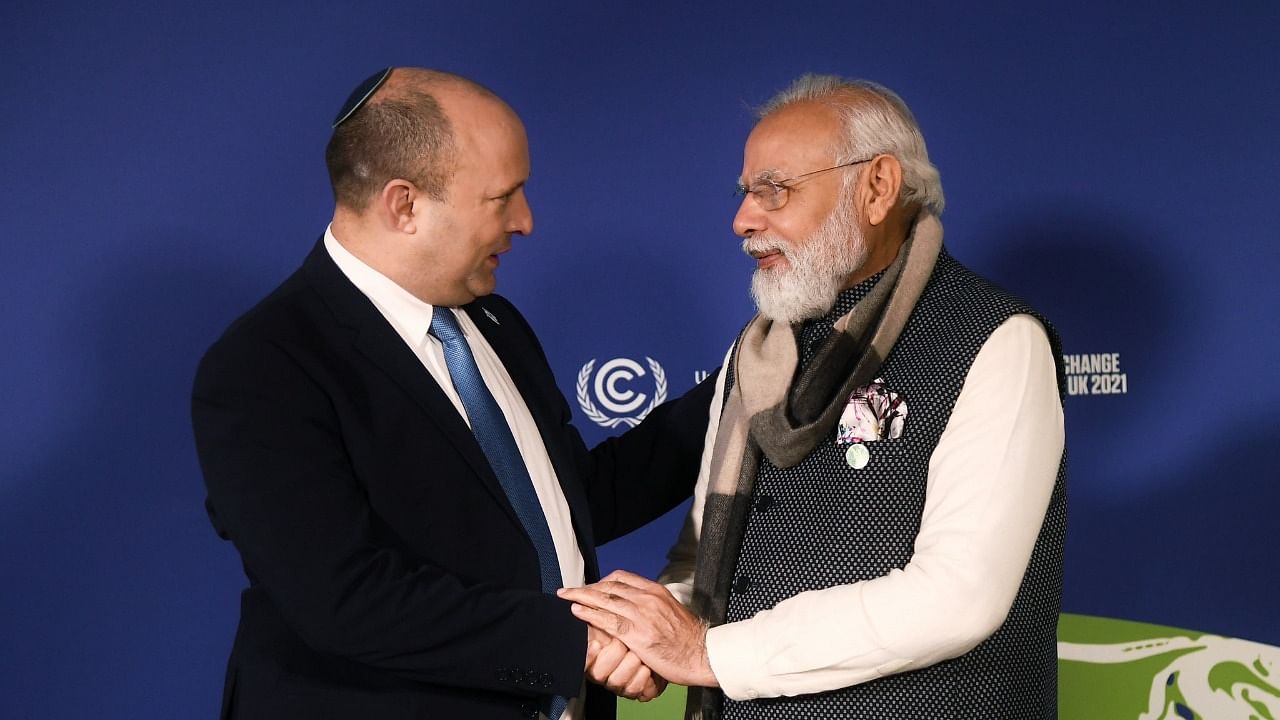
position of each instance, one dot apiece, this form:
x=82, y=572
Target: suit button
x=546, y=680
x=529, y=709
x=741, y=584
x=531, y=678
x=502, y=674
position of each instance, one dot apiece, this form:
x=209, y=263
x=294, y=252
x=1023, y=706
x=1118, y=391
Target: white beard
x=816, y=268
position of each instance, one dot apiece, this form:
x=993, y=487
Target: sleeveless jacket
x=822, y=523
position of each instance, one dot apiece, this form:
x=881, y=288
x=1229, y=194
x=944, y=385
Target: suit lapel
x=543, y=403
x=378, y=341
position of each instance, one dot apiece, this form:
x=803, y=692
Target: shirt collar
x=410, y=316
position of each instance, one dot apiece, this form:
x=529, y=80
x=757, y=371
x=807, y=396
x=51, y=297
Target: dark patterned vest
x=822, y=523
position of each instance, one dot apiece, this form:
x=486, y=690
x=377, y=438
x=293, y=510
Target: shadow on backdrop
x=1137, y=493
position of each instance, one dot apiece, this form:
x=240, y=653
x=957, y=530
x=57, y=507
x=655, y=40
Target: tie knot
x=444, y=325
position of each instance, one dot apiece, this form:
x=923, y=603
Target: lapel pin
x=857, y=456
x=491, y=316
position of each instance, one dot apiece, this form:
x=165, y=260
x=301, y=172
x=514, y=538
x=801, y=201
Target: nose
x=750, y=219
x=520, y=215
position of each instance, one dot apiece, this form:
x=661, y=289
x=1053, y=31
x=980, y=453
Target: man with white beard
x=815, y=269
x=879, y=522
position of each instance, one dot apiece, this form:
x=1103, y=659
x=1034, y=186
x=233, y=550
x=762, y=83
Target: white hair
x=875, y=120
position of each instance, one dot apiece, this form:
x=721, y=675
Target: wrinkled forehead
x=793, y=140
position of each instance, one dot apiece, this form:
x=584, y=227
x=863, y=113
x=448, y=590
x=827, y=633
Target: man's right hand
x=611, y=664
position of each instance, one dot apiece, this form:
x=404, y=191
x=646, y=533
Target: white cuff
x=735, y=661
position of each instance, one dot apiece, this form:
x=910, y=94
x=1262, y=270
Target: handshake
x=639, y=636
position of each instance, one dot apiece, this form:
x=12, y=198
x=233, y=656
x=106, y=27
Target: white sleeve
x=682, y=557
x=989, y=483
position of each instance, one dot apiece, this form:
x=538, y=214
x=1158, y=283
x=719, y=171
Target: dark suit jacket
x=388, y=574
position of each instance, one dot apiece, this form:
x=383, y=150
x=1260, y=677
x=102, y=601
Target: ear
x=395, y=205
x=880, y=184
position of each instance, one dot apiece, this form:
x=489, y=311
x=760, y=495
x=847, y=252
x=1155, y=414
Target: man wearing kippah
x=383, y=442
x=878, y=528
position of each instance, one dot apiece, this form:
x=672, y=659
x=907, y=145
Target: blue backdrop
x=163, y=169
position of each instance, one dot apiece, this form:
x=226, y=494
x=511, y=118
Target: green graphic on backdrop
x=1121, y=670
x=668, y=706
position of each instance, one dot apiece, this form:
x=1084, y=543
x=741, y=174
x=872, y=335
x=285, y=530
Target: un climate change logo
x=620, y=402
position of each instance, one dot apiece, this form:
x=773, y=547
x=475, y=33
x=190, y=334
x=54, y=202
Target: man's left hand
x=653, y=624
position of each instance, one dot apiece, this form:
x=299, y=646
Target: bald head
x=404, y=130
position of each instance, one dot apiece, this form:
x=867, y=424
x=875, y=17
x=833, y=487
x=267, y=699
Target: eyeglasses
x=773, y=194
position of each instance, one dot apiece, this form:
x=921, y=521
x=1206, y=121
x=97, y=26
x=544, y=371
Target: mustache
x=765, y=244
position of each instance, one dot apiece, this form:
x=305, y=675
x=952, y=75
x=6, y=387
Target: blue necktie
x=499, y=446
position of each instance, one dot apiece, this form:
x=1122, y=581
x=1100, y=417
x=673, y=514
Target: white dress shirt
x=989, y=483
x=411, y=319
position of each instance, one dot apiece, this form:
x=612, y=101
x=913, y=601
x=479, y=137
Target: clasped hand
x=639, y=636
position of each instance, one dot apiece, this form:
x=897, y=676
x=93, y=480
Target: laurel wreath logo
x=594, y=413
